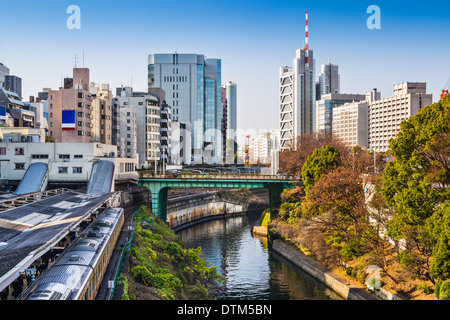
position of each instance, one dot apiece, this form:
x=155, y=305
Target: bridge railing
x=216, y=176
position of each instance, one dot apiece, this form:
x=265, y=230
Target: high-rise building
x=326, y=105
x=385, y=115
x=231, y=94
x=4, y=70
x=351, y=124
x=70, y=109
x=193, y=88
x=102, y=113
x=148, y=118
x=329, y=79
x=14, y=84
x=128, y=138
x=298, y=117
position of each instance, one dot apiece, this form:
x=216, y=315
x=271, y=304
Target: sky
x=253, y=39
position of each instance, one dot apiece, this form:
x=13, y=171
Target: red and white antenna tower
x=306, y=42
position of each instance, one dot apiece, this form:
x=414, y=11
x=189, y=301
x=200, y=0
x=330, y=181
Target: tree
x=317, y=163
x=337, y=201
x=292, y=161
x=419, y=177
x=417, y=183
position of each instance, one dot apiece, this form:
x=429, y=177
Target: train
x=78, y=271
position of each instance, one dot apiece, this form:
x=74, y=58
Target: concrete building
x=262, y=147
x=4, y=70
x=385, y=115
x=231, y=98
x=70, y=109
x=180, y=152
x=326, y=105
x=193, y=89
x=329, y=79
x=102, y=113
x=297, y=117
x=69, y=164
x=14, y=84
x=148, y=117
x=128, y=138
x=351, y=124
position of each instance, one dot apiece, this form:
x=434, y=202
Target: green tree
x=419, y=178
x=417, y=182
x=317, y=163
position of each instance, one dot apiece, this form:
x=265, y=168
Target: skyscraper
x=297, y=117
x=193, y=89
x=329, y=79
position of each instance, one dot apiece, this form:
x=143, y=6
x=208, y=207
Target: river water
x=251, y=271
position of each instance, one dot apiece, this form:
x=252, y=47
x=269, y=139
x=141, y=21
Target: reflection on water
x=251, y=272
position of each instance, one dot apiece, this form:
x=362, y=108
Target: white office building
x=297, y=96
x=385, y=115
x=351, y=124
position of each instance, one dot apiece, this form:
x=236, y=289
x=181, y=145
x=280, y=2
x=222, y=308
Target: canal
x=251, y=271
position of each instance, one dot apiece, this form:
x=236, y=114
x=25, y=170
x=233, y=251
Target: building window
x=19, y=166
x=77, y=170
x=19, y=151
x=62, y=169
x=78, y=156
x=39, y=156
x=2, y=150
x=64, y=157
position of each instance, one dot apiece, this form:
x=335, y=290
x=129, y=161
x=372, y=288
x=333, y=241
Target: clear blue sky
x=253, y=39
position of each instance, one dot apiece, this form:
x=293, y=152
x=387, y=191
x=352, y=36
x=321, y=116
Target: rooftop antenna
x=83, y=58
x=306, y=41
x=76, y=60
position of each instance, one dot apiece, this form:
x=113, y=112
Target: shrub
x=444, y=291
x=437, y=288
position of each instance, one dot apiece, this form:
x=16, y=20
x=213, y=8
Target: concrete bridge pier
x=159, y=201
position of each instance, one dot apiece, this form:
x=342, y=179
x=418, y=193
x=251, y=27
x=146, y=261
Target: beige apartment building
x=385, y=115
x=102, y=126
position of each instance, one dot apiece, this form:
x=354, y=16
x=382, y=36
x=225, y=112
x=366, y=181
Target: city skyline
x=252, y=38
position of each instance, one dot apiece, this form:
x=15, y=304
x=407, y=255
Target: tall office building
x=386, y=114
x=14, y=84
x=329, y=79
x=231, y=94
x=193, y=89
x=297, y=83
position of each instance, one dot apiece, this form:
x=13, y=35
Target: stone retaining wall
x=336, y=283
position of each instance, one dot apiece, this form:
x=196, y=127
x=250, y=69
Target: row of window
x=62, y=170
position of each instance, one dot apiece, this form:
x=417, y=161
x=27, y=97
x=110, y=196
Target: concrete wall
x=184, y=211
x=339, y=285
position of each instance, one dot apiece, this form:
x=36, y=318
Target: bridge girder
x=159, y=188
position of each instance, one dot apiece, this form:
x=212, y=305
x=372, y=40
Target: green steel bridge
x=159, y=184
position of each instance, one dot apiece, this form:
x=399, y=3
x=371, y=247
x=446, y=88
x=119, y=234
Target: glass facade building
x=193, y=88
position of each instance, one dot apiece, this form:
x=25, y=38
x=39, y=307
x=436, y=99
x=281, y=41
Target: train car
x=77, y=273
